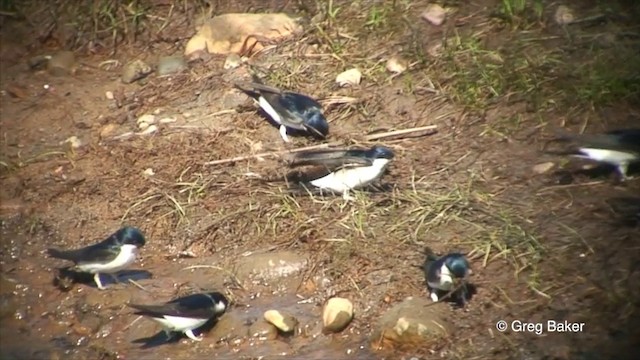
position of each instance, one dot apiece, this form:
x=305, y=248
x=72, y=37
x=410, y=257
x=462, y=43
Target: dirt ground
x=495, y=79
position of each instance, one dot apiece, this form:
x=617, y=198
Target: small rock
x=413, y=321
x=148, y=131
x=232, y=61
x=168, y=65
x=143, y=126
x=263, y=330
x=349, y=78
x=434, y=14
x=167, y=120
x=563, y=15
x=337, y=314
x=107, y=130
x=147, y=119
x=109, y=95
x=62, y=64
x=73, y=141
x=149, y=172
x=135, y=70
x=283, y=321
x=543, y=167
x=396, y=65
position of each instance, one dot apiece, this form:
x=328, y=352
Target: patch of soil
x=562, y=254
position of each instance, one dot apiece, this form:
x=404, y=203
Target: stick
x=320, y=146
x=398, y=132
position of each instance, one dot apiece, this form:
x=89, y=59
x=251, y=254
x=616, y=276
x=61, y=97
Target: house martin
x=109, y=256
x=289, y=110
x=619, y=148
x=447, y=274
x=185, y=314
x=341, y=170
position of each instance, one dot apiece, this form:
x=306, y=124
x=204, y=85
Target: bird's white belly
x=125, y=258
x=351, y=178
x=446, y=280
x=608, y=156
x=176, y=323
x=264, y=104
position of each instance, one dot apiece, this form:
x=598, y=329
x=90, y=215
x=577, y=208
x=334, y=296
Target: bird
x=447, y=273
x=618, y=148
x=290, y=110
x=109, y=256
x=185, y=314
x=342, y=170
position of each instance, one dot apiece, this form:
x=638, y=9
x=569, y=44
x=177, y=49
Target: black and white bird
x=289, y=110
x=619, y=148
x=109, y=256
x=447, y=274
x=342, y=170
x=185, y=314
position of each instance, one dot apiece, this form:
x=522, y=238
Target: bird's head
x=220, y=302
x=130, y=236
x=381, y=152
x=318, y=124
x=457, y=264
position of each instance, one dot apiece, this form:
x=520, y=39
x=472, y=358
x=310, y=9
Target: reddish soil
x=541, y=248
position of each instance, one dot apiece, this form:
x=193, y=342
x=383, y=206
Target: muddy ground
x=495, y=79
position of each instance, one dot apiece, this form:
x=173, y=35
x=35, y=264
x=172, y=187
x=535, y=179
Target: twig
x=371, y=137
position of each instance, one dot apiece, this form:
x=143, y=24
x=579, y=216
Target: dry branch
x=370, y=137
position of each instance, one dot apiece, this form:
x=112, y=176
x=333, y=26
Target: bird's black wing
x=622, y=140
x=98, y=253
x=330, y=159
x=197, y=306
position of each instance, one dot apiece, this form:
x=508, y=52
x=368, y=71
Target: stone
x=563, y=15
x=543, y=167
x=134, y=71
x=73, y=141
x=413, y=321
x=107, y=130
x=151, y=129
x=283, y=321
x=396, y=65
x=234, y=32
x=337, y=314
x=168, y=65
x=434, y=14
x=349, y=78
x=147, y=119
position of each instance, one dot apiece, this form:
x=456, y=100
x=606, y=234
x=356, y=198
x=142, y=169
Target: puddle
x=84, y=322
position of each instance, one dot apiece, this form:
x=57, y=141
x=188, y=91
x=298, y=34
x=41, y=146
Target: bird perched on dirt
x=109, y=256
x=292, y=112
x=618, y=148
x=185, y=314
x=341, y=170
x=447, y=274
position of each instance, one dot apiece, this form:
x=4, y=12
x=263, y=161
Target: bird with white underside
x=291, y=111
x=115, y=253
x=619, y=148
x=185, y=314
x=339, y=170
